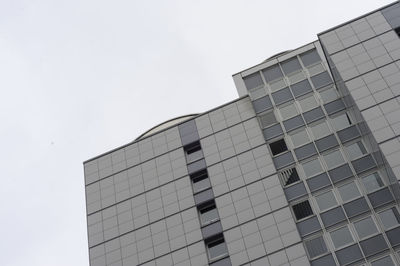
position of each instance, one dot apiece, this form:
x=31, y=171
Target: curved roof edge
x=165, y=124
x=277, y=55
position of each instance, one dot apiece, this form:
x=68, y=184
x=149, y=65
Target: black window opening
x=289, y=176
x=193, y=152
x=208, y=213
x=397, y=30
x=302, y=210
x=216, y=248
x=200, y=181
x=278, y=147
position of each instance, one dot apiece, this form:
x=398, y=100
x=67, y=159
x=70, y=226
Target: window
x=340, y=122
x=333, y=159
x=193, y=152
x=372, y=182
x=385, y=261
x=200, y=181
x=312, y=167
x=341, y=237
x=208, y=213
x=316, y=247
x=397, y=30
x=299, y=138
x=320, y=130
x=365, y=227
x=326, y=200
x=216, y=248
x=329, y=95
x=302, y=210
x=289, y=176
x=267, y=119
x=288, y=111
x=355, y=150
x=278, y=147
x=310, y=58
x=308, y=103
x=349, y=191
x=390, y=218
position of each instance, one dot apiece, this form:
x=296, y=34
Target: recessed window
x=312, y=167
x=320, y=130
x=299, y=137
x=372, y=182
x=341, y=237
x=289, y=176
x=310, y=58
x=333, y=159
x=308, y=103
x=216, y=248
x=329, y=95
x=390, y=218
x=355, y=150
x=365, y=227
x=278, y=147
x=326, y=200
x=385, y=261
x=302, y=210
x=316, y=247
x=340, y=122
x=267, y=119
x=208, y=213
x=193, y=152
x=349, y=191
x=288, y=111
x=200, y=181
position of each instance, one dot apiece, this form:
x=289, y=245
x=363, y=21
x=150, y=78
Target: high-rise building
x=302, y=169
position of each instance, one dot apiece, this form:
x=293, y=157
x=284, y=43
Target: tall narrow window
x=278, y=147
x=200, y=181
x=216, y=248
x=208, y=213
x=193, y=152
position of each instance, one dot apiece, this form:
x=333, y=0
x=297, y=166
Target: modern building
x=302, y=169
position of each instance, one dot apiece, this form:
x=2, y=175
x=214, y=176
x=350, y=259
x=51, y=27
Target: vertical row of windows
x=207, y=212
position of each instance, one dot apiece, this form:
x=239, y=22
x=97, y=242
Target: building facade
x=302, y=169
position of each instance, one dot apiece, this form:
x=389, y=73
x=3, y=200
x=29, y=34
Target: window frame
x=345, y=148
x=370, y=235
x=346, y=244
x=218, y=238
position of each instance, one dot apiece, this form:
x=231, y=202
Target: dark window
x=208, y=213
x=216, y=248
x=200, y=181
x=278, y=147
x=193, y=152
x=397, y=30
x=289, y=176
x=302, y=210
x=272, y=73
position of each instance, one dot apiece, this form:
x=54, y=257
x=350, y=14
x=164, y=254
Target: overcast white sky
x=81, y=77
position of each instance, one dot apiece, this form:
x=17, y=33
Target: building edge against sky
x=302, y=169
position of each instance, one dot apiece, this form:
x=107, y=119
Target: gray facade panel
x=349, y=255
x=211, y=230
x=333, y=216
x=373, y=245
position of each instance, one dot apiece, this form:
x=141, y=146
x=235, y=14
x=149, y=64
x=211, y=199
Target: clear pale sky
x=81, y=77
